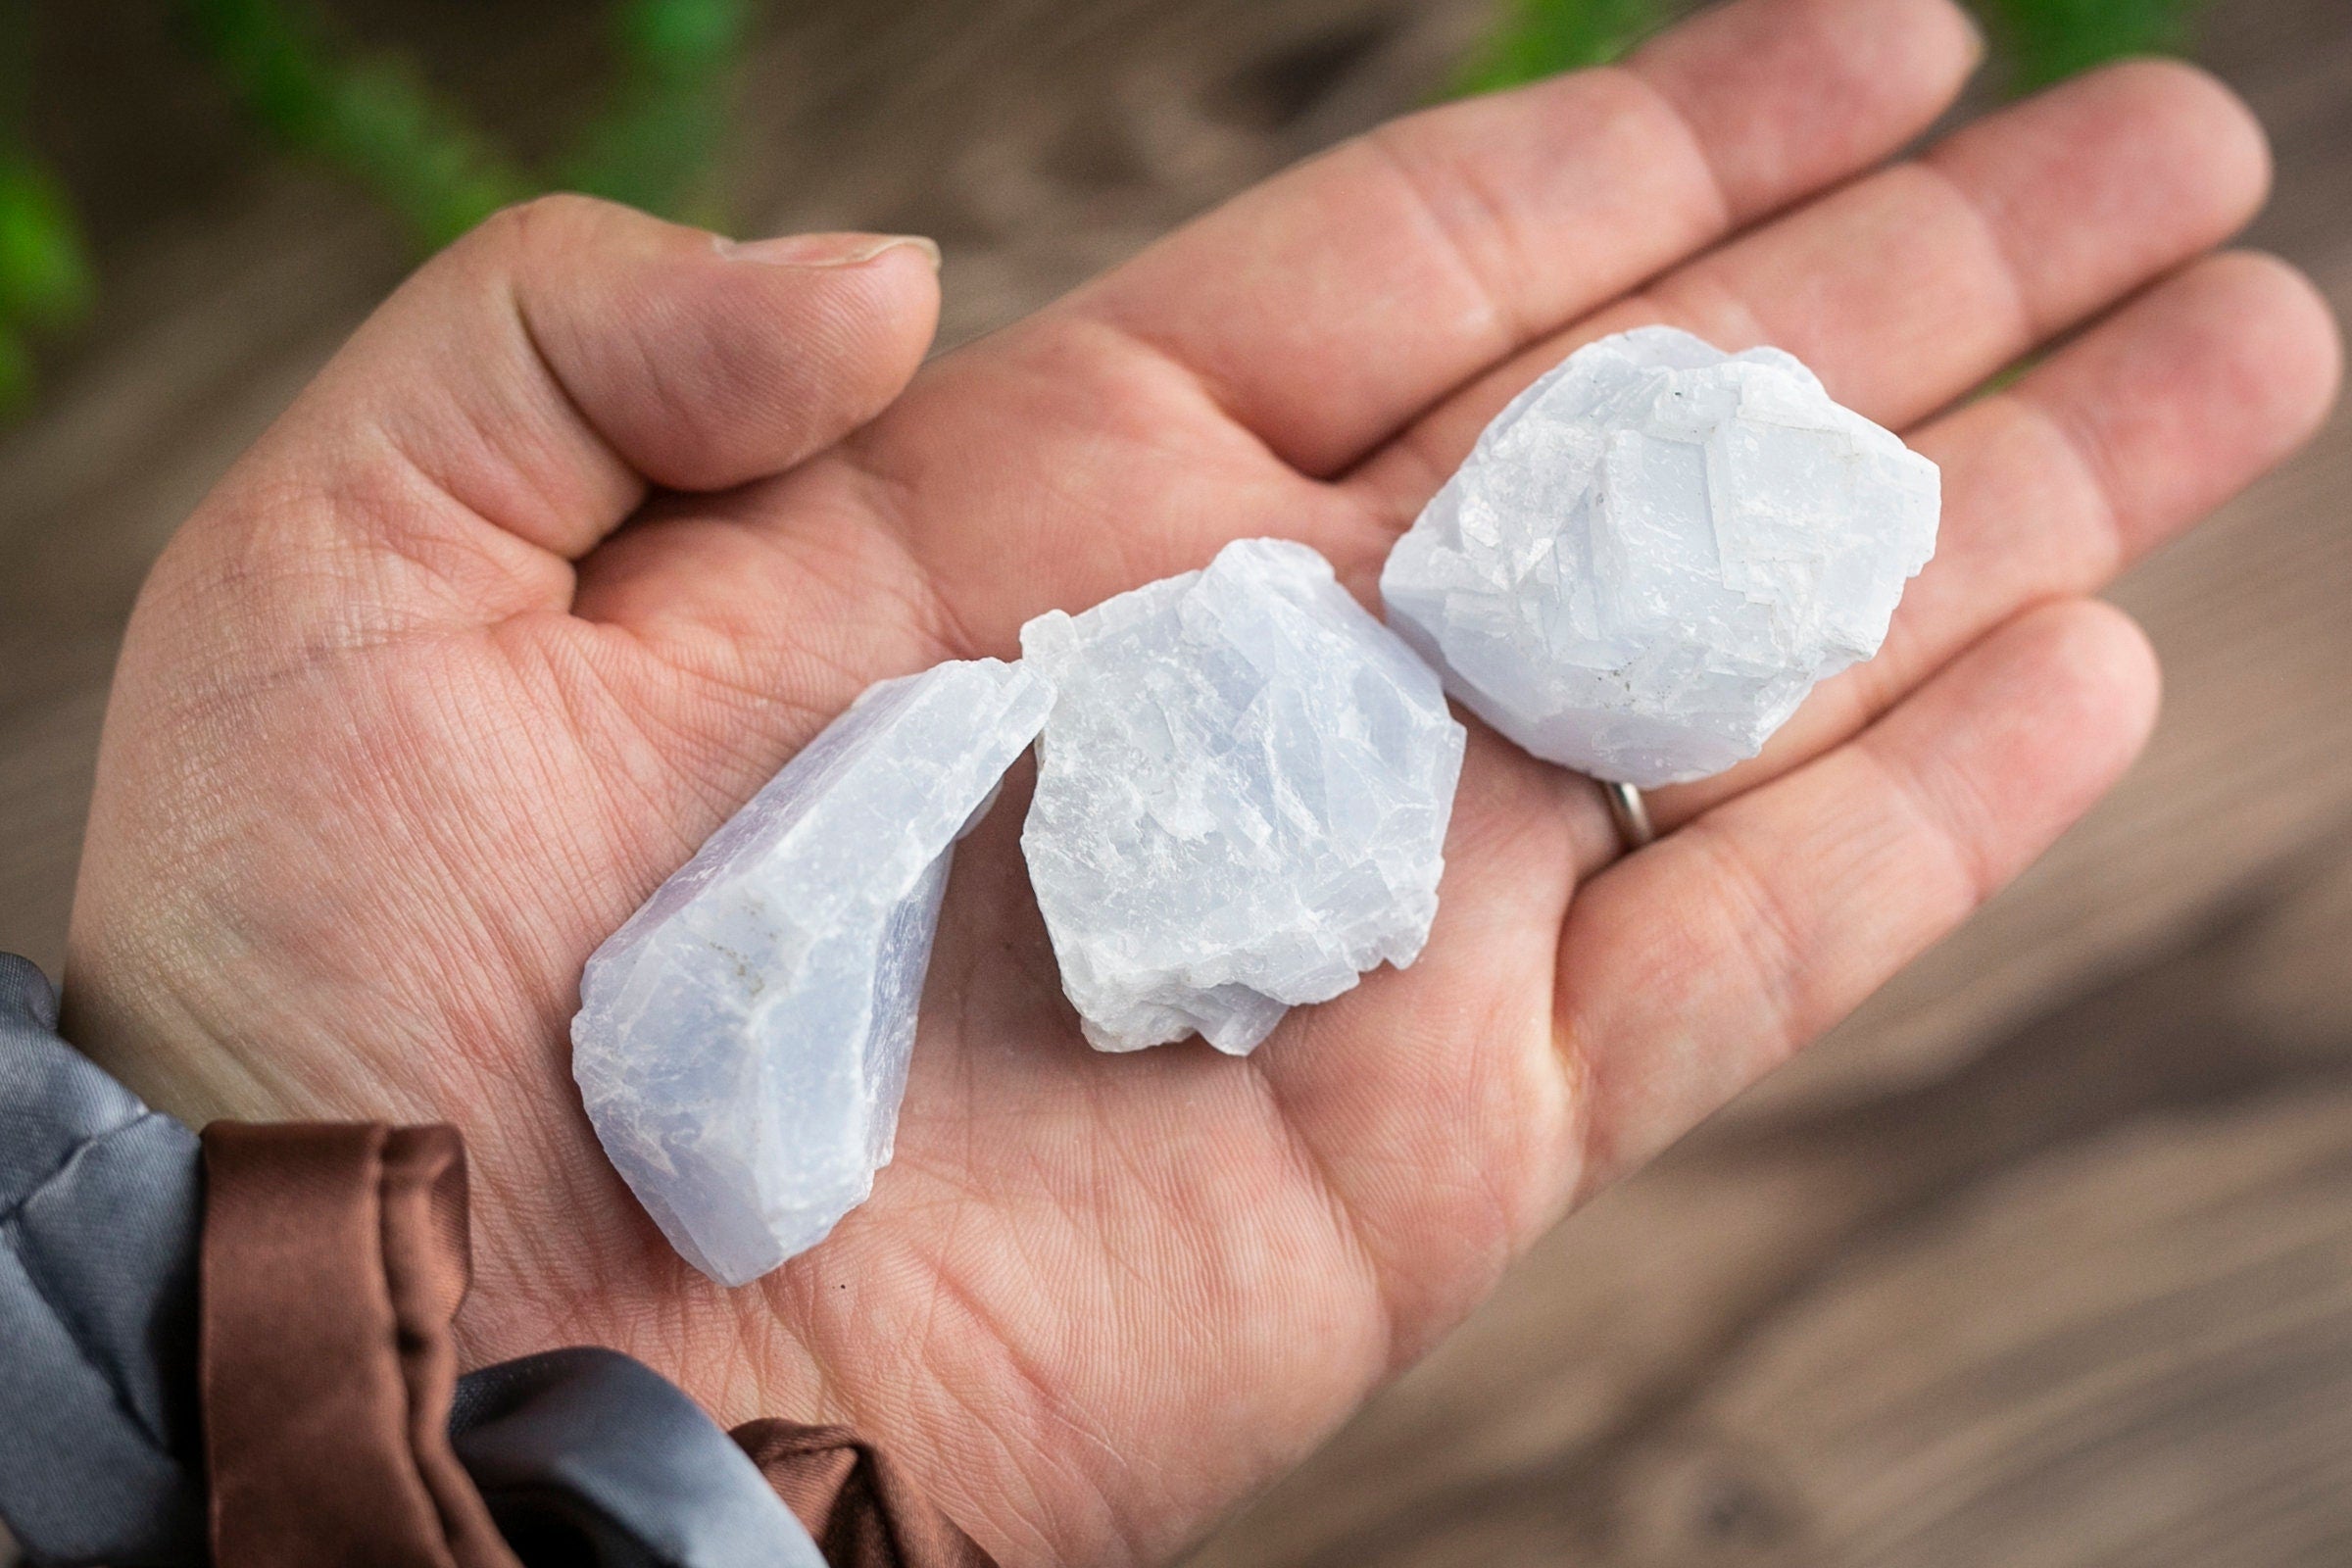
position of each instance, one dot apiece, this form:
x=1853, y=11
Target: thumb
x=536, y=378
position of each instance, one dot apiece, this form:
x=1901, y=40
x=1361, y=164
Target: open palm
x=588, y=529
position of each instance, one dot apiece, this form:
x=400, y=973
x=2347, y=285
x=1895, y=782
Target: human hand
x=585, y=533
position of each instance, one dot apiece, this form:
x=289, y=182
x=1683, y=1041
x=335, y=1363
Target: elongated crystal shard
x=742, y=1042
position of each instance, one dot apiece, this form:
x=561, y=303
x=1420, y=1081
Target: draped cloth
x=313, y=1381
x=100, y=1198
x=862, y=1511
x=334, y=1260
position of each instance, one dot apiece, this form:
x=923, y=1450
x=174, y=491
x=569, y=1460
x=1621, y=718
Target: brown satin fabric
x=335, y=1258
x=857, y=1505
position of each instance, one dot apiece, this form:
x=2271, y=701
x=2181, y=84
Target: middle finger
x=1907, y=288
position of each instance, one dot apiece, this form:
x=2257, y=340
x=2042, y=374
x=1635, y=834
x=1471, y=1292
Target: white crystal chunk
x=1655, y=552
x=742, y=1042
x=1241, y=801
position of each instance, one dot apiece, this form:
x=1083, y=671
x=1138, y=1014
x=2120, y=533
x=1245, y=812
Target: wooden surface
x=2044, y=1258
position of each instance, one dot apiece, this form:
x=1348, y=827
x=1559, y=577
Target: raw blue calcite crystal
x=1655, y=552
x=742, y=1042
x=1242, y=798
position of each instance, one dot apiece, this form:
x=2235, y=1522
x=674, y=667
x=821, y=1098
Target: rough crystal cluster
x=1655, y=552
x=1242, y=798
x=742, y=1042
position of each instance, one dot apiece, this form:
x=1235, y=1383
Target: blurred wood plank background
x=2044, y=1258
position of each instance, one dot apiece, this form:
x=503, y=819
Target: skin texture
x=597, y=521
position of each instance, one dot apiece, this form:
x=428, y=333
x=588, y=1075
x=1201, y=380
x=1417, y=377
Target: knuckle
x=558, y=222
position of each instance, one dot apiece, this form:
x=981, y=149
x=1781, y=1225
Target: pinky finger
x=1693, y=968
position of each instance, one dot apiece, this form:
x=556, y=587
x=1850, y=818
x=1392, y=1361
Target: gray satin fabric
x=587, y=1458
x=99, y=1206
x=592, y=1457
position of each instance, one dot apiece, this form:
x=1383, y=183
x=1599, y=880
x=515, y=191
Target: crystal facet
x=1241, y=801
x=742, y=1042
x=1655, y=552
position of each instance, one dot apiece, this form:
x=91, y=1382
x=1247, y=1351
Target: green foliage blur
x=2041, y=42
x=653, y=142
x=1540, y=38
x=369, y=117
x=654, y=145
x=2046, y=40
x=44, y=267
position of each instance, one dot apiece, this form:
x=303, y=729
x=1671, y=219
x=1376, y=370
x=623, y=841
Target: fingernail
x=823, y=250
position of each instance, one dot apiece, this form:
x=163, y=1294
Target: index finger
x=1325, y=308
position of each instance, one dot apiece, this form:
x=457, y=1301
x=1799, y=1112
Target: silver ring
x=1630, y=812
